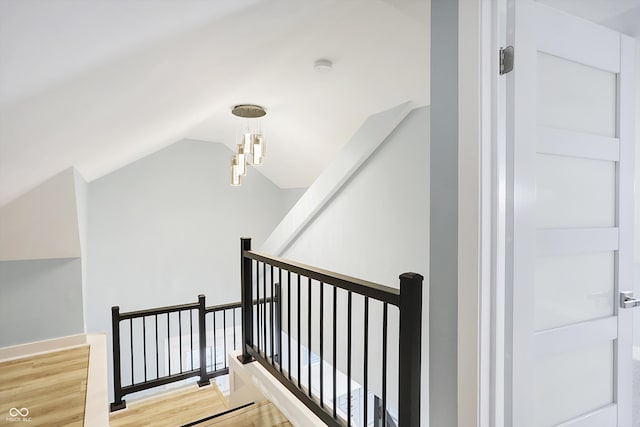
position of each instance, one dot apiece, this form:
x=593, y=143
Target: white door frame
x=481, y=213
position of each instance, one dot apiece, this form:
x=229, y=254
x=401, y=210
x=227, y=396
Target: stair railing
x=143, y=342
x=277, y=343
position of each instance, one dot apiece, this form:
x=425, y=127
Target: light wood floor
x=172, y=409
x=192, y=404
x=51, y=386
x=262, y=414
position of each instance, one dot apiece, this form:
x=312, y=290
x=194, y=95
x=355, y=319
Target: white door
x=569, y=227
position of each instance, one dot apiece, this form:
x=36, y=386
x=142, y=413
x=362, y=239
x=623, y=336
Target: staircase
x=199, y=407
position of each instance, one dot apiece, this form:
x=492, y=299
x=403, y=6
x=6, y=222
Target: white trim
x=97, y=396
x=42, y=347
x=251, y=381
x=558, y=32
x=574, y=337
x=566, y=241
x=367, y=139
x=626, y=131
x=469, y=213
x=577, y=144
x=495, y=197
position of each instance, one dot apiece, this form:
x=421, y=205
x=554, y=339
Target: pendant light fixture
x=251, y=148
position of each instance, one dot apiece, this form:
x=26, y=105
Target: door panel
x=568, y=221
x=573, y=193
x=588, y=280
x=561, y=392
x=575, y=96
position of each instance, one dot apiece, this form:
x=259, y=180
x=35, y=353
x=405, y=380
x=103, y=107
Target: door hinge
x=506, y=60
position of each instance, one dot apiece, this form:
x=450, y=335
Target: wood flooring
x=172, y=409
x=261, y=414
x=192, y=404
x=51, y=387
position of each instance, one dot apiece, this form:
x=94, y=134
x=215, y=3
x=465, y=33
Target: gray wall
x=443, y=311
x=40, y=299
x=167, y=228
x=375, y=228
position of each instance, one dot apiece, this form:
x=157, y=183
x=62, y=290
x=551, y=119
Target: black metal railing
x=159, y=346
x=307, y=304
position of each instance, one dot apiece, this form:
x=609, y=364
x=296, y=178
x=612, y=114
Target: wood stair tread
x=173, y=408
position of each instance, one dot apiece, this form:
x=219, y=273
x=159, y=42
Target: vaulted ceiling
x=97, y=84
x=100, y=83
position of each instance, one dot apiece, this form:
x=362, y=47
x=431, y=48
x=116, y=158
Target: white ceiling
x=620, y=15
x=100, y=83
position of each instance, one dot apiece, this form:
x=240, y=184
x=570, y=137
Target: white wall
x=42, y=223
x=40, y=274
x=637, y=169
x=375, y=228
x=167, y=228
x=81, y=191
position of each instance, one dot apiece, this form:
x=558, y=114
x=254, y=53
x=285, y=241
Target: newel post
x=247, y=300
x=410, y=349
x=202, y=340
x=118, y=403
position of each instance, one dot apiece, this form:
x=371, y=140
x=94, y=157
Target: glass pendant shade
x=235, y=175
x=246, y=142
x=258, y=150
x=242, y=160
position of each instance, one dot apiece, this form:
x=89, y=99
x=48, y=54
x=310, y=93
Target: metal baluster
x=191, y=335
x=366, y=358
x=180, y=337
x=299, y=341
x=264, y=307
x=309, y=334
x=335, y=311
x=289, y=321
x=233, y=311
x=169, y=343
x=215, y=344
x=271, y=314
x=349, y=359
x=144, y=346
x=322, y=345
x=131, y=340
x=224, y=336
x=384, y=365
x=157, y=358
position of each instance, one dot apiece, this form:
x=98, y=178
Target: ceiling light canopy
x=250, y=143
x=248, y=111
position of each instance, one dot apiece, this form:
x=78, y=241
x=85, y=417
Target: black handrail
x=258, y=327
x=373, y=290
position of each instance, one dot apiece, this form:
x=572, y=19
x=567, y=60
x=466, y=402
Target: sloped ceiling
x=620, y=15
x=100, y=83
